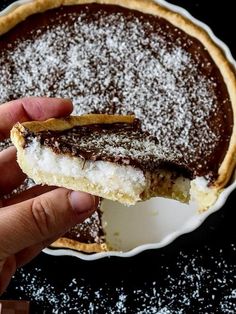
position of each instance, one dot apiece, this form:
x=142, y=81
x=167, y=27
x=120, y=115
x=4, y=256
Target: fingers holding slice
x=26, y=255
x=32, y=108
x=28, y=194
x=11, y=175
x=6, y=272
x=44, y=217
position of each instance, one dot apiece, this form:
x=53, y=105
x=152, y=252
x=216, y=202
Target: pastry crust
x=148, y=6
x=79, y=246
x=71, y=121
x=63, y=124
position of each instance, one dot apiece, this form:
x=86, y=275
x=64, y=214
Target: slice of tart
x=106, y=155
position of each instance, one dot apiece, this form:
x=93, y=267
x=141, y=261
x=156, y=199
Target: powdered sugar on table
x=195, y=282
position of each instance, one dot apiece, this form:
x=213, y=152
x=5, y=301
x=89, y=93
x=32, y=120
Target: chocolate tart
x=130, y=57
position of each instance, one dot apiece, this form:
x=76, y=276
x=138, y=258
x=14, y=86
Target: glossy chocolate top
x=109, y=59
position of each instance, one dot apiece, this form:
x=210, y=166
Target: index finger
x=32, y=108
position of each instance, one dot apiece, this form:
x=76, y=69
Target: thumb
x=39, y=219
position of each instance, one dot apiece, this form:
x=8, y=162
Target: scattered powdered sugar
x=108, y=63
x=198, y=282
x=5, y=144
x=228, y=304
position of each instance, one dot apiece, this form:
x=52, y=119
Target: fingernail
x=82, y=202
x=68, y=100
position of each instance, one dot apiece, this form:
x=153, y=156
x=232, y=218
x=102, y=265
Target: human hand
x=35, y=218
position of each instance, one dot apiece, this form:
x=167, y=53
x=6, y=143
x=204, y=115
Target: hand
x=35, y=218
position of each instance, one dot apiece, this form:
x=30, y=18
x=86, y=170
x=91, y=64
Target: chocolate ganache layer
x=122, y=143
x=109, y=59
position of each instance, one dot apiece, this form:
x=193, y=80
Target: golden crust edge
x=148, y=6
x=67, y=243
x=61, y=124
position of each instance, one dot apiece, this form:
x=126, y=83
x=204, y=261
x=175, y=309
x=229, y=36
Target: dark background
x=195, y=274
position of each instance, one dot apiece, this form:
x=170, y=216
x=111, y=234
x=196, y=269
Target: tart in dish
x=130, y=57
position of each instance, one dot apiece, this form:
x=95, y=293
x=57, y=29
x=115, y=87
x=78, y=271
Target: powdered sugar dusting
x=108, y=64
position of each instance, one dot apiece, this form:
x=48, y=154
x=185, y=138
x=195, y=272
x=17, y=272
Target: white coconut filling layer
x=201, y=184
x=111, y=177
x=204, y=195
x=114, y=178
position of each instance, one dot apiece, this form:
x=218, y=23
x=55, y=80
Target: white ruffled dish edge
x=194, y=220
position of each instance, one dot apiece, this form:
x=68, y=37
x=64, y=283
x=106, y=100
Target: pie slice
x=106, y=155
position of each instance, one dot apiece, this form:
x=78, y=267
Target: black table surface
x=195, y=274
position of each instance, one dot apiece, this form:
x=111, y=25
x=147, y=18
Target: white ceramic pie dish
x=148, y=225
x=155, y=223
